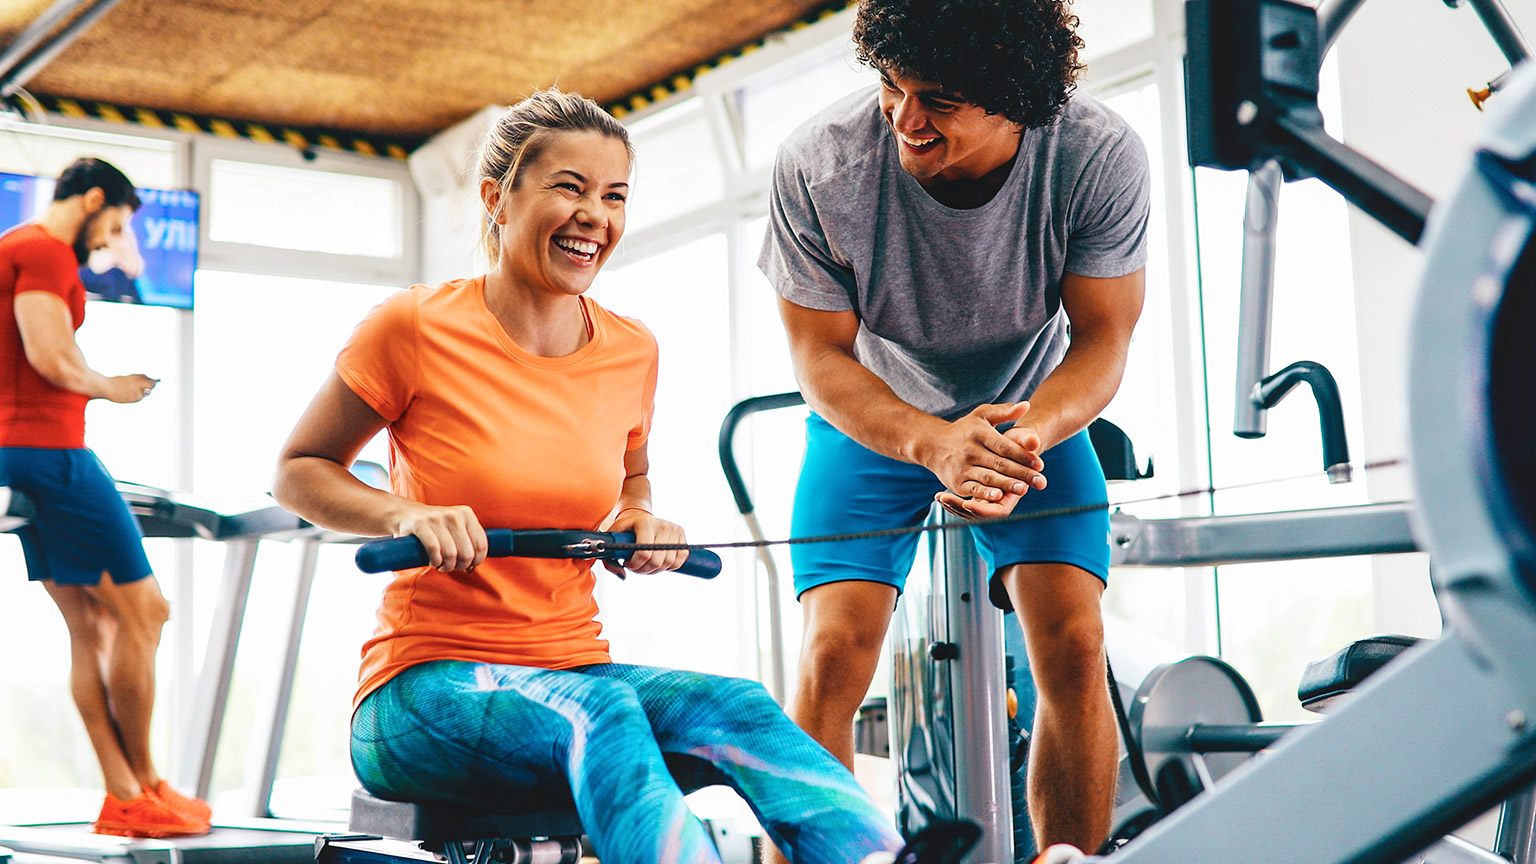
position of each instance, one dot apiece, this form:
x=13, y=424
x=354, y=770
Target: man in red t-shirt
x=82, y=530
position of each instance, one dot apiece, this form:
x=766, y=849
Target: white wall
x=444, y=172
x=1405, y=67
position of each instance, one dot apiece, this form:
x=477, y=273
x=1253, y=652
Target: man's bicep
x=45, y=325
x=811, y=329
x=1103, y=305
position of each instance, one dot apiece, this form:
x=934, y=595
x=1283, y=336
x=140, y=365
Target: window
x=47, y=151
x=258, y=366
x=770, y=108
x=1109, y=25
x=1149, y=602
x=306, y=210
x=259, y=363
x=672, y=620
x=677, y=166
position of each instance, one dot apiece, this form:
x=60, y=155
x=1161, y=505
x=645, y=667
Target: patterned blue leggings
x=606, y=736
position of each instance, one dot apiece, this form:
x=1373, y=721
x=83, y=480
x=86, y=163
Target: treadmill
x=163, y=514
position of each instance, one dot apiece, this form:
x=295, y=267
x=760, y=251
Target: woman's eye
x=570, y=186
x=615, y=196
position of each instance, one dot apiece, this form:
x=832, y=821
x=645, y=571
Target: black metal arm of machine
x=739, y=412
x=1330, y=411
x=1251, y=87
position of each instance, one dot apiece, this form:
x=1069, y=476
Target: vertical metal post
x=920, y=723
x=776, y=682
x=1516, y=837
x=183, y=587
x=979, y=695
x=271, y=719
x=1258, y=286
x=218, y=666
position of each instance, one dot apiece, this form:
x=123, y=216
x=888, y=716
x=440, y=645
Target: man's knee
x=1070, y=662
x=837, y=665
x=138, y=608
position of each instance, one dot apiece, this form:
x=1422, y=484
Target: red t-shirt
x=525, y=441
x=33, y=412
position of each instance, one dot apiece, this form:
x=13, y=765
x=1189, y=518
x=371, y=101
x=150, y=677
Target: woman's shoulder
x=622, y=327
x=452, y=291
x=422, y=301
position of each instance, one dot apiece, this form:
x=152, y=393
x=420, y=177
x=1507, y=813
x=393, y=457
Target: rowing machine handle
x=404, y=553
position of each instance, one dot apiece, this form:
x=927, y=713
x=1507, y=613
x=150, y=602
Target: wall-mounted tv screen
x=154, y=266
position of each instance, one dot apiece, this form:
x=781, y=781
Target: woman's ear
x=490, y=196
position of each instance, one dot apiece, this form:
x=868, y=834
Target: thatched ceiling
x=396, y=68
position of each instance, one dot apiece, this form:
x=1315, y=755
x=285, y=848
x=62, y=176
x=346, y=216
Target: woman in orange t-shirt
x=512, y=400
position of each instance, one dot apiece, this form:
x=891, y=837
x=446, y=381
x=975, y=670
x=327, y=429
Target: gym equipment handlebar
x=403, y=553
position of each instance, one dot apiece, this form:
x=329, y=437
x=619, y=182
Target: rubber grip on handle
x=404, y=553
x=701, y=562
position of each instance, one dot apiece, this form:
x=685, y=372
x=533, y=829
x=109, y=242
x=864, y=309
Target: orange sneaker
x=145, y=816
x=194, y=808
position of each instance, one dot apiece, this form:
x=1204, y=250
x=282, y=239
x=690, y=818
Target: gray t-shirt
x=956, y=307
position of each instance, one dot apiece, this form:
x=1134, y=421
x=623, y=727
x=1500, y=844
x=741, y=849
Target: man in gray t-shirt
x=931, y=244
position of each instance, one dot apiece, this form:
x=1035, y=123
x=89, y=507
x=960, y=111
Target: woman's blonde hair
x=519, y=137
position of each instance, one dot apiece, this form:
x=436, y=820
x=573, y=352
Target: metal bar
x=727, y=440
x=16, y=78
x=775, y=611
x=733, y=478
x=1332, y=15
x=36, y=34
x=1235, y=738
x=1383, y=196
x=183, y=581
x=1195, y=541
x=978, y=695
x=218, y=666
x=271, y=720
x=16, y=509
x=1451, y=849
x=1505, y=32
x=1516, y=837
x=1254, y=315
x=1330, y=410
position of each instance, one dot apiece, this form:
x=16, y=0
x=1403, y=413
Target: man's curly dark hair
x=1017, y=58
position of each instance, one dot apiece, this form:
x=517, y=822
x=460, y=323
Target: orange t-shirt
x=526, y=441
x=34, y=412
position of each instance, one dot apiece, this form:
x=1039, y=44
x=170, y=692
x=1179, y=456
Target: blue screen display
x=154, y=267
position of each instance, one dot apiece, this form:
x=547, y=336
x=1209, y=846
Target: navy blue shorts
x=846, y=488
x=82, y=527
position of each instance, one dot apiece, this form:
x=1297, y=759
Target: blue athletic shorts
x=82, y=527
x=846, y=488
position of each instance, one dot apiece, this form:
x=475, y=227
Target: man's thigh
x=1065, y=523
x=845, y=488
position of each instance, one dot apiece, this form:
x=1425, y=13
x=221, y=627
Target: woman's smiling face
x=562, y=220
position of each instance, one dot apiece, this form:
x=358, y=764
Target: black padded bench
x=1326, y=680
x=398, y=831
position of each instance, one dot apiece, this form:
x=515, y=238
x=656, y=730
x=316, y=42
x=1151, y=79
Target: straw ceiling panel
x=404, y=68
